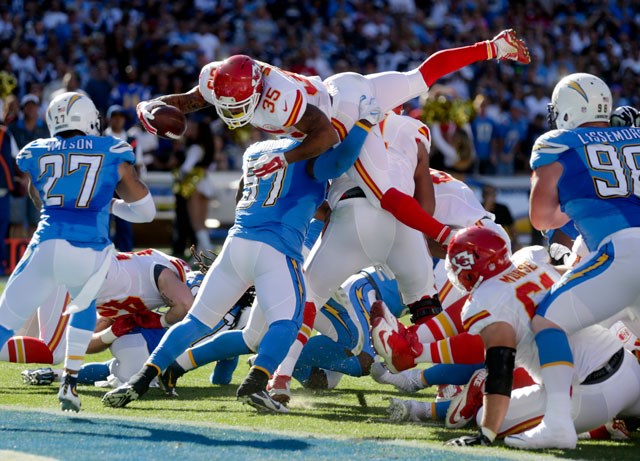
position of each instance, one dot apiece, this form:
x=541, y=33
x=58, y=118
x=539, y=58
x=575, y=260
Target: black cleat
x=169, y=379
x=255, y=381
x=38, y=377
x=137, y=386
x=263, y=402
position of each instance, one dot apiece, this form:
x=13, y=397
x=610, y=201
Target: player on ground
x=503, y=297
x=264, y=248
x=586, y=171
x=322, y=113
x=73, y=175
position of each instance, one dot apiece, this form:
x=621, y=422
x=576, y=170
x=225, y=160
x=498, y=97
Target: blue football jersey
x=277, y=210
x=600, y=187
x=75, y=178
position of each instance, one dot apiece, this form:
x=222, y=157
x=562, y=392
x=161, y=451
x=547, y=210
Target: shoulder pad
x=549, y=146
x=205, y=80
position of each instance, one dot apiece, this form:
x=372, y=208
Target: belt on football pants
x=604, y=373
x=354, y=192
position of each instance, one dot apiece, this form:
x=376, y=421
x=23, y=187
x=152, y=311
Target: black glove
x=470, y=441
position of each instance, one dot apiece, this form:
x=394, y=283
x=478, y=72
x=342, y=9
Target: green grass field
x=336, y=413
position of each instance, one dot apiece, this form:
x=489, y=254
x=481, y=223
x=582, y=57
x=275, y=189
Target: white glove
x=370, y=110
x=269, y=163
x=144, y=109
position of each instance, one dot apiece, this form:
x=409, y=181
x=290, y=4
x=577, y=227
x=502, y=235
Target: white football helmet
x=577, y=99
x=73, y=111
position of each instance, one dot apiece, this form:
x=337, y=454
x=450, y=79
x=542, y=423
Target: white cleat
x=68, y=396
x=401, y=410
x=544, y=436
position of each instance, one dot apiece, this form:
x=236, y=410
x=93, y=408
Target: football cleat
x=68, y=395
x=402, y=410
x=137, y=386
x=254, y=382
x=38, y=377
x=263, y=402
x=409, y=381
x=169, y=379
x=545, y=436
x=447, y=392
x=279, y=388
x=507, y=46
x=397, y=345
x=618, y=429
x=465, y=405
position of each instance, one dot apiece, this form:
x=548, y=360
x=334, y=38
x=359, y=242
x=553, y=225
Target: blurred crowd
x=122, y=52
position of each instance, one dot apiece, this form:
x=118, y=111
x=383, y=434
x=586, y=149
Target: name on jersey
x=62, y=144
x=609, y=136
x=521, y=271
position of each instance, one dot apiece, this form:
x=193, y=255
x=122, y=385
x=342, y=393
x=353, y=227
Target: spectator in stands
x=486, y=138
x=28, y=127
x=8, y=187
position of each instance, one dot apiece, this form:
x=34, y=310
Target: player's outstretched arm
x=320, y=135
x=186, y=102
x=136, y=204
x=424, y=192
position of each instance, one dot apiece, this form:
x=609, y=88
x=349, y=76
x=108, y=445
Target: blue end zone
x=97, y=438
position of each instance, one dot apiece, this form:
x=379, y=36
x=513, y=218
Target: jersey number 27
x=55, y=166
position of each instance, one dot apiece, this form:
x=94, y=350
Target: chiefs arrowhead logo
x=462, y=261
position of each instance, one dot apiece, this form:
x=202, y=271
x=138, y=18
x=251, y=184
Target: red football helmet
x=475, y=254
x=237, y=87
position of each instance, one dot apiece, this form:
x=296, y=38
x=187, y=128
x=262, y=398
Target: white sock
x=185, y=361
x=77, y=343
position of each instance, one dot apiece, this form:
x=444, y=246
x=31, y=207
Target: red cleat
x=465, y=405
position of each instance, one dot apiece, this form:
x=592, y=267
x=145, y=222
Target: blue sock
x=276, y=344
x=91, y=372
x=85, y=319
x=223, y=372
x=553, y=348
x=322, y=352
x=177, y=340
x=441, y=410
x=444, y=373
x=5, y=335
x=228, y=344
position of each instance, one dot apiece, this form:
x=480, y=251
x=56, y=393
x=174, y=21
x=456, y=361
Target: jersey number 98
x=617, y=174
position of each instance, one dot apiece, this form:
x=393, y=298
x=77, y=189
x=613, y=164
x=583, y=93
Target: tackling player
x=264, y=248
x=73, y=176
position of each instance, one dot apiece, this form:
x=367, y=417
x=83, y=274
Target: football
x=169, y=121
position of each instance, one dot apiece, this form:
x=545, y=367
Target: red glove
x=123, y=325
x=144, y=111
x=148, y=319
x=269, y=163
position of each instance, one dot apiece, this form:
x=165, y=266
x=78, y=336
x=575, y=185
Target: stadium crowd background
x=484, y=118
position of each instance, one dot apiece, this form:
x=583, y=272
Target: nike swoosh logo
x=382, y=341
x=455, y=411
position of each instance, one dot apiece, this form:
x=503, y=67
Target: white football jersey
x=456, y=204
x=512, y=297
x=285, y=96
x=130, y=285
x=401, y=136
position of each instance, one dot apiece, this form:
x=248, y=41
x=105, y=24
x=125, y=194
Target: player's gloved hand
x=558, y=254
x=123, y=325
x=370, y=111
x=506, y=45
x=148, y=319
x=269, y=163
x=144, y=109
x=483, y=437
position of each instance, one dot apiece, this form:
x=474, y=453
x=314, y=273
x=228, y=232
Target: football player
x=73, y=176
x=585, y=171
x=264, y=248
x=321, y=113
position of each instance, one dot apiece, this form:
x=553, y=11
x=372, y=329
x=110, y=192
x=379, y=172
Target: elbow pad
x=500, y=363
x=143, y=210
